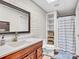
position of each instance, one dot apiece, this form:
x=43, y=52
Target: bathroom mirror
x=13, y=19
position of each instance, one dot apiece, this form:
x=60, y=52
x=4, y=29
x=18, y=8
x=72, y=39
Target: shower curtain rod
x=66, y=15
x=58, y=15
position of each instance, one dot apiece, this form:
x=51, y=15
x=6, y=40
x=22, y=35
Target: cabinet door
x=40, y=57
x=39, y=53
x=27, y=57
x=31, y=56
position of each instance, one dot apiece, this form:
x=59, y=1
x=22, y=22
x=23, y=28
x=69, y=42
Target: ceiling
x=63, y=7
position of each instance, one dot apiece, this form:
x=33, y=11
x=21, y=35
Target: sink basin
x=5, y=48
x=18, y=43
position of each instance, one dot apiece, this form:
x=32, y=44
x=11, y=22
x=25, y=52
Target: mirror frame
x=19, y=9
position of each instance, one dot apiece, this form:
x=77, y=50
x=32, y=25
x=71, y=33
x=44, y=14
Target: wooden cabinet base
x=32, y=52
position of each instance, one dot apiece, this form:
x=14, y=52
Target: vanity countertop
x=7, y=49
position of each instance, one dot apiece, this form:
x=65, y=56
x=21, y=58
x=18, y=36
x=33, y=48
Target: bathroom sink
x=18, y=43
x=5, y=48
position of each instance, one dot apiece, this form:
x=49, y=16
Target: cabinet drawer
x=17, y=55
x=39, y=52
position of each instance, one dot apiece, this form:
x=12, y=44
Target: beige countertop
x=11, y=47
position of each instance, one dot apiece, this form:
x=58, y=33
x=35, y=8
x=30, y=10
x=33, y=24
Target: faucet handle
x=2, y=41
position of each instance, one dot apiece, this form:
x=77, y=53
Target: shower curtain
x=66, y=36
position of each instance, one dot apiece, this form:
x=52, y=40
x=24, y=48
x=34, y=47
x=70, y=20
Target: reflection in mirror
x=4, y=26
x=13, y=20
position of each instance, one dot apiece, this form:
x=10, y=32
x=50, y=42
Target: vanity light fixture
x=50, y=1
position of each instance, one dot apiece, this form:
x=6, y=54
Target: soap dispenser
x=2, y=41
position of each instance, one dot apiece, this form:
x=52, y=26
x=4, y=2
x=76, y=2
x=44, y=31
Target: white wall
x=38, y=18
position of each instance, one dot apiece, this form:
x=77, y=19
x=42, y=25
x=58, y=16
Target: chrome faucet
x=15, y=38
x=2, y=41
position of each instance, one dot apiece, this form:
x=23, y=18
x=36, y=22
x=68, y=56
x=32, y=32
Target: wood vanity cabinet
x=32, y=52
